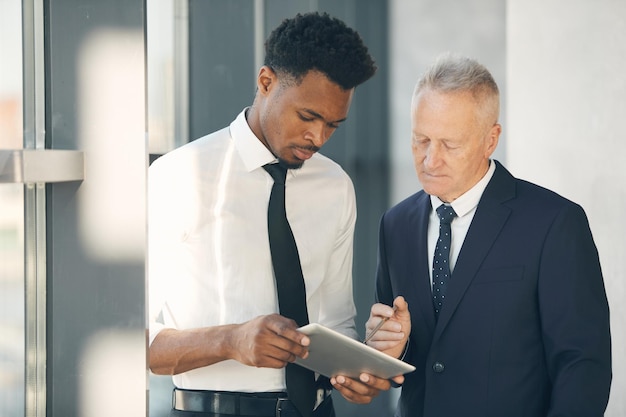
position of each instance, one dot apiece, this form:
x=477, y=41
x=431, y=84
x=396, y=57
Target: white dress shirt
x=465, y=208
x=209, y=255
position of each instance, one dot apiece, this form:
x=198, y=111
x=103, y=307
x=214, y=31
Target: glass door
x=12, y=300
x=25, y=168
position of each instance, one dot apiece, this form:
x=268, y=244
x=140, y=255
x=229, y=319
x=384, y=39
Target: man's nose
x=433, y=156
x=319, y=133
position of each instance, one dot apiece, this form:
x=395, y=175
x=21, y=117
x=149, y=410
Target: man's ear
x=492, y=139
x=266, y=80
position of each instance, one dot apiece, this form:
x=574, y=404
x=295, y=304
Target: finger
x=373, y=382
x=268, y=356
x=382, y=326
x=269, y=342
x=287, y=329
x=286, y=337
x=353, y=390
x=397, y=381
x=287, y=350
x=383, y=340
x=274, y=351
x=401, y=306
x=381, y=310
x=367, y=385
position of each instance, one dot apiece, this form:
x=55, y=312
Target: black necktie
x=441, y=259
x=290, y=286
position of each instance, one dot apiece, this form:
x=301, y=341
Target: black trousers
x=325, y=409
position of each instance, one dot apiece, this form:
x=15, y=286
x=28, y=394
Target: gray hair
x=456, y=74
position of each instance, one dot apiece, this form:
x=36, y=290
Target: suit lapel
x=420, y=283
x=490, y=217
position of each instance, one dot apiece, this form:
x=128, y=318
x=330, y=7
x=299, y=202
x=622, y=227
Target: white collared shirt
x=465, y=208
x=209, y=256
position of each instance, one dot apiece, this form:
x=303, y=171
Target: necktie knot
x=277, y=171
x=446, y=214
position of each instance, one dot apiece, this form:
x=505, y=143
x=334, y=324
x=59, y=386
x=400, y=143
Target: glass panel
x=12, y=304
x=167, y=75
x=12, y=358
x=167, y=118
x=11, y=74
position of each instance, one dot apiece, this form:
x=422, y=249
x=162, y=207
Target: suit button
x=438, y=367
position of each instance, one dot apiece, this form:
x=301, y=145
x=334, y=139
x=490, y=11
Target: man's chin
x=431, y=189
x=290, y=165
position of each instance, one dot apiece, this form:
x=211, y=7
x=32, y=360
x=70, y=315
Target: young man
x=214, y=307
x=508, y=312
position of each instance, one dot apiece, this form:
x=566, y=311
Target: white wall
x=419, y=31
x=566, y=81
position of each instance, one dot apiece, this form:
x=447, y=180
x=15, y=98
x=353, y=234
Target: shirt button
x=438, y=367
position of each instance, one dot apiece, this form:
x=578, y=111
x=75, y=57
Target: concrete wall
x=565, y=127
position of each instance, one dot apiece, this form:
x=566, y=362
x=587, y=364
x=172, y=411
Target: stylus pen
x=377, y=328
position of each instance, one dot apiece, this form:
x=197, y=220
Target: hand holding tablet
x=332, y=353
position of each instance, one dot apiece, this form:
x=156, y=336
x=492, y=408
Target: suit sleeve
x=575, y=318
x=384, y=291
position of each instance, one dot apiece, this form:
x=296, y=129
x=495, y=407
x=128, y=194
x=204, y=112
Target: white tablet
x=332, y=353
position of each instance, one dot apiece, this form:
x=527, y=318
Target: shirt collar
x=250, y=148
x=469, y=200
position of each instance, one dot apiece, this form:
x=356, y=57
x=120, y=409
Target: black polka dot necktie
x=441, y=259
x=289, y=285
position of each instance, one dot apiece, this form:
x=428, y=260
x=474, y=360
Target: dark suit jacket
x=524, y=330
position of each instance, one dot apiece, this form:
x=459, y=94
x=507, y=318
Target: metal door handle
x=41, y=165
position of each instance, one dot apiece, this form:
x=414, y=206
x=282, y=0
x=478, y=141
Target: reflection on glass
x=10, y=74
x=166, y=127
x=12, y=359
x=167, y=79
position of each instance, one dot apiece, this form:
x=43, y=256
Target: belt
x=233, y=403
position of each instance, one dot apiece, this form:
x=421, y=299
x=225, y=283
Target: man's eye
x=304, y=118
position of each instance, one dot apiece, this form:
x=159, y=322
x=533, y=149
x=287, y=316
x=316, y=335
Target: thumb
x=401, y=307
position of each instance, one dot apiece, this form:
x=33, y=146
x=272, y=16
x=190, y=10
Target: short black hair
x=314, y=41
